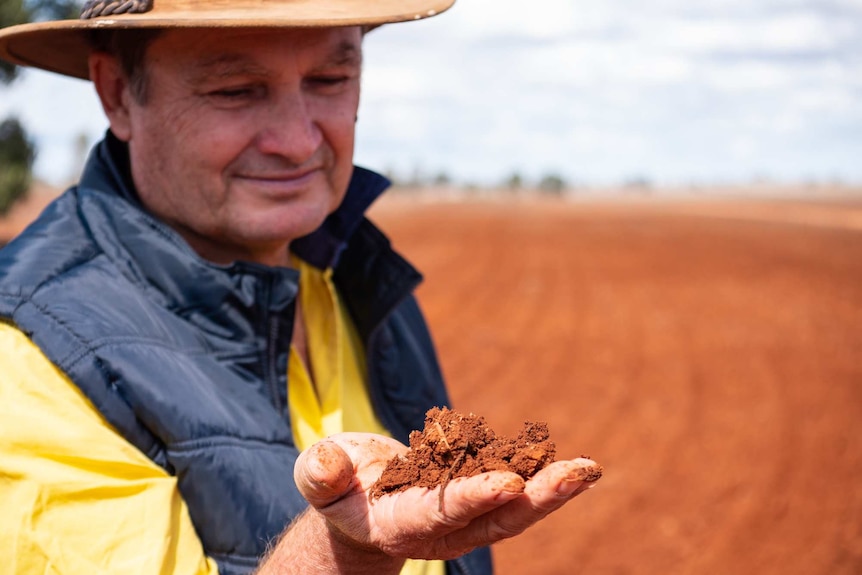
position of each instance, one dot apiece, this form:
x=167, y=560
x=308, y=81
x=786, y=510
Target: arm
x=76, y=498
x=346, y=533
x=310, y=545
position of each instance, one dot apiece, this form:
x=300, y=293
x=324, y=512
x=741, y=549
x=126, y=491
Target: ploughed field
x=708, y=355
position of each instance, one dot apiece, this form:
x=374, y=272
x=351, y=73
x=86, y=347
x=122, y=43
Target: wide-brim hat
x=62, y=46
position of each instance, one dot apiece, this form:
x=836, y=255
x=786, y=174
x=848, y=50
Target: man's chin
x=290, y=226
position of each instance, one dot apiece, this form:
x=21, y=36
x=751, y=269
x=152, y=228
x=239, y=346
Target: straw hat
x=61, y=46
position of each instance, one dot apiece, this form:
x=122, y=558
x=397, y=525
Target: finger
x=419, y=510
x=551, y=487
x=465, y=499
x=412, y=523
x=323, y=473
x=546, y=492
x=369, y=452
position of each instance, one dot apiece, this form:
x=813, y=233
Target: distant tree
x=16, y=161
x=552, y=184
x=17, y=152
x=442, y=179
x=514, y=182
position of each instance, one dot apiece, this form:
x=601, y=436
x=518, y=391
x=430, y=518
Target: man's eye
x=328, y=81
x=235, y=93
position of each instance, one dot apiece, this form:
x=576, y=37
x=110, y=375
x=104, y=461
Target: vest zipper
x=271, y=361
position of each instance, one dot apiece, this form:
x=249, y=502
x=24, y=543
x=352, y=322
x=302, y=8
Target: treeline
x=550, y=183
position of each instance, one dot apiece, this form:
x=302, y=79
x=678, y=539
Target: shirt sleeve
x=77, y=498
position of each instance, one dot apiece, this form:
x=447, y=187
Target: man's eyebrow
x=346, y=53
x=226, y=65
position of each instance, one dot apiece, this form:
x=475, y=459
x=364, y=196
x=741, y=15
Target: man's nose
x=290, y=130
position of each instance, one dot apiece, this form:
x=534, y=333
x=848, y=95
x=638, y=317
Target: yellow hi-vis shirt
x=334, y=397
x=77, y=499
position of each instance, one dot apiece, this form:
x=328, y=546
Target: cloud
x=675, y=90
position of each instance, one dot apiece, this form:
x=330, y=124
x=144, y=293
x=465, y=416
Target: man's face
x=244, y=141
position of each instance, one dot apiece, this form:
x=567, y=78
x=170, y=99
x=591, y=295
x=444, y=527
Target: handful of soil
x=456, y=445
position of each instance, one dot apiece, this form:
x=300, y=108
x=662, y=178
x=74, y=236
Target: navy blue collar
x=322, y=248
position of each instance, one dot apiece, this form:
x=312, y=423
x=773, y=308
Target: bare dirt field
x=709, y=355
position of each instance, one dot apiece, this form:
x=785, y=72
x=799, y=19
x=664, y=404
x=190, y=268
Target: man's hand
x=336, y=474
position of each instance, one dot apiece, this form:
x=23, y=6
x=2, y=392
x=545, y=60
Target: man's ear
x=112, y=86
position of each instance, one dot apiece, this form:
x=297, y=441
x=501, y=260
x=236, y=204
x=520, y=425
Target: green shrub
x=17, y=153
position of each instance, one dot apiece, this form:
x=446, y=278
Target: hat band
x=95, y=8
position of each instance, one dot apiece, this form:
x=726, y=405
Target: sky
x=601, y=92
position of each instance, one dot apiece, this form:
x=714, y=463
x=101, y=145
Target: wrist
x=311, y=545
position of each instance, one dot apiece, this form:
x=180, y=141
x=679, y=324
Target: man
x=206, y=349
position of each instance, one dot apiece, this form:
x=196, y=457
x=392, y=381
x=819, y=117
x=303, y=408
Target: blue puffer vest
x=188, y=360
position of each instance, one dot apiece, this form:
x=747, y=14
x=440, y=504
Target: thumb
x=323, y=473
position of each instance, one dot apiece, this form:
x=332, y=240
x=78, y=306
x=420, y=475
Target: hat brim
x=62, y=46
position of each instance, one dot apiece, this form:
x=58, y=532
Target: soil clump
x=455, y=445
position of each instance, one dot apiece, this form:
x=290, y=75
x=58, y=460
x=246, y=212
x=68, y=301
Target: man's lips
x=287, y=176
x=278, y=184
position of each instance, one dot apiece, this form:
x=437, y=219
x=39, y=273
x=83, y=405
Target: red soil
x=26, y=210
x=709, y=357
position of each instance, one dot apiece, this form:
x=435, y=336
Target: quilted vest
x=188, y=359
